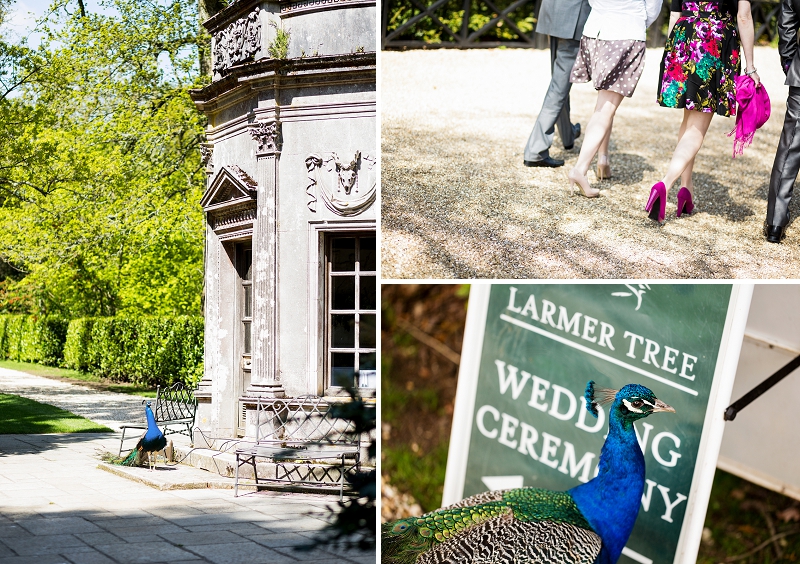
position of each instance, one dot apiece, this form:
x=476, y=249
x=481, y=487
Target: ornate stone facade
x=281, y=131
x=238, y=42
x=347, y=189
x=267, y=135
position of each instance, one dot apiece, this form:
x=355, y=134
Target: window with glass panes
x=351, y=310
x=244, y=256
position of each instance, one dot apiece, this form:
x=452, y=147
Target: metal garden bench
x=307, y=445
x=174, y=406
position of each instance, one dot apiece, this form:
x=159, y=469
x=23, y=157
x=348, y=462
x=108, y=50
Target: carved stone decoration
x=346, y=188
x=238, y=42
x=207, y=155
x=230, y=202
x=267, y=135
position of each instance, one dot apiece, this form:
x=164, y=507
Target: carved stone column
x=265, y=381
x=204, y=391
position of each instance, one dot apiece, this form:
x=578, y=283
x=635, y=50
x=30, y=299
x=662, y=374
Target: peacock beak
x=661, y=406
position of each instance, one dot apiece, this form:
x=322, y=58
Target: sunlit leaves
x=100, y=176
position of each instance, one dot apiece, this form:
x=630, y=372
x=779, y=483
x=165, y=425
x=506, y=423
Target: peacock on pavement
x=588, y=524
x=151, y=442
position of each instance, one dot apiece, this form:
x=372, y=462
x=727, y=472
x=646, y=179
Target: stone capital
x=267, y=135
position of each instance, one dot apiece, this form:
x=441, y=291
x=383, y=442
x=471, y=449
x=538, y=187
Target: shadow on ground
x=465, y=207
x=13, y=445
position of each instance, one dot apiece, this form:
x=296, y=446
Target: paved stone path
x=57, y=506
x=107, y=408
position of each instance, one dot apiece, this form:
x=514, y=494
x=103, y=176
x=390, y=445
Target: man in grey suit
x=563, y=21
x=787, y=158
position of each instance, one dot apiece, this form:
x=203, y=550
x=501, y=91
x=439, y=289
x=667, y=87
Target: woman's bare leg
x=690, y=139
x=597, y=130
x=603, y=167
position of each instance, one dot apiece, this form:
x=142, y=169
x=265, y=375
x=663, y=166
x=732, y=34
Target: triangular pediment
x=231, y=186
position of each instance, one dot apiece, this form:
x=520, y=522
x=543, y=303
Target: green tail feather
x=404, y=540
x=402, y=543
x=130, y=460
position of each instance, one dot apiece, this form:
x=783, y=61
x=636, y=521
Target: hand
x=756, y=78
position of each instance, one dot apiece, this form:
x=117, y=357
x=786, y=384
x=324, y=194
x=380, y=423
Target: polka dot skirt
x=614, y=65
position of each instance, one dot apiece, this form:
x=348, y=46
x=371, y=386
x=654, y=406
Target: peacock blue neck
x=152, y=428
x=610, y=502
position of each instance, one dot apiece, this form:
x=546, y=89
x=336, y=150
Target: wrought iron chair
x=175, y=406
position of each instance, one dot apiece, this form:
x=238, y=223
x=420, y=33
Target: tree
x=205, y=10
x=100, y=173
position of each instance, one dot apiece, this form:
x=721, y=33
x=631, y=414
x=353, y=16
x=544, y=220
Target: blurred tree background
x=511, y=23
x=100, y=172
x=421, y=334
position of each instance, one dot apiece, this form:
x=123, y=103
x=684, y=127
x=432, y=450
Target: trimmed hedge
x=146, y=351
x=30, y=338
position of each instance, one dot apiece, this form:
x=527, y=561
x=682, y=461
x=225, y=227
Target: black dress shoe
x=576, y=132
x=547, y=162
x=775, y=233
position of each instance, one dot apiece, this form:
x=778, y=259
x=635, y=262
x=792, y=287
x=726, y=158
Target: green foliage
x=279, y=47
x=451, y=14
x=100, y=183
x=146, y=351
x=31, y=338
x=76, y=347
x=482, y=14
x=421, y=476
x=25, y=416
x=741, y=517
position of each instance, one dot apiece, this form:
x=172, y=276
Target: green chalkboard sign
x=520, y=414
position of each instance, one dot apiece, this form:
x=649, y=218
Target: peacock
x=588, y=524
x=151, y=442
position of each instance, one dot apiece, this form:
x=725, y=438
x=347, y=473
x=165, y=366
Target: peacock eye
x=637, y=403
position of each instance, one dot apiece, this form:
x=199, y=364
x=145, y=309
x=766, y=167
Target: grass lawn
x=24, y=416
x=77, y=376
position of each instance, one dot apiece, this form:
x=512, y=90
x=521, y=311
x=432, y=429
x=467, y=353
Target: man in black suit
x=787, y=158
x=563, y=21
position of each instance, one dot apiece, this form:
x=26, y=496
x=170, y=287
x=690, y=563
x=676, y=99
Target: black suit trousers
x=787, y=163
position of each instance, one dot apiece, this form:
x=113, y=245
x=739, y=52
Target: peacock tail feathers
x=405, y=540
x=130, y=460
x=535, y=504
x=402, y=542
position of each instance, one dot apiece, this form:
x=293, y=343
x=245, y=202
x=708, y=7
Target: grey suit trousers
x=787, y=163
x=555, y=110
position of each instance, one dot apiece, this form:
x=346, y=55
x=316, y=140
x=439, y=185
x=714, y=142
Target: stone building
x=290, y=258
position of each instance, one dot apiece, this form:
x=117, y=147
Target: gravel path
x=458, y=203
x=106, y=408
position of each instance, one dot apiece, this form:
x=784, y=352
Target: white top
x=621, y=19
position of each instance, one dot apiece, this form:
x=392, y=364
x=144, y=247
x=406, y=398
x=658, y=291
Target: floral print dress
x=701, y=59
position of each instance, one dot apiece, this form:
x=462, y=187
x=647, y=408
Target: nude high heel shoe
x=583, y=184
x=603, y=167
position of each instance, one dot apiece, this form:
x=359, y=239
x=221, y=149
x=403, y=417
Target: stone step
x=170, y=477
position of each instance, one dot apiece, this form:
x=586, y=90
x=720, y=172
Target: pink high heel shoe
x=657, y=203
x=685, y=204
